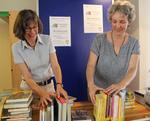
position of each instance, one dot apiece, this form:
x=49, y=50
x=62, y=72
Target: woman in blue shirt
x=36, y=58
x=114, y=55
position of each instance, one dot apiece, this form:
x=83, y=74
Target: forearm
x=90, y=75
x=35, y=87
x=129, y=77
x=57, y=73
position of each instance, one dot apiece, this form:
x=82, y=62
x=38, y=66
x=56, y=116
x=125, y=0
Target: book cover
x=63, y=111
x=18, y=104
x=48, y=113
x=18, y=109
x=19, y=119
x=81, y=115
x=21, y=96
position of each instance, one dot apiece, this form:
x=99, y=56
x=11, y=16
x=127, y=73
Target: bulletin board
x=73, y=59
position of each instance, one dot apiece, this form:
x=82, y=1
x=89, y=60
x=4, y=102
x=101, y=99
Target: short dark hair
x=23, y=19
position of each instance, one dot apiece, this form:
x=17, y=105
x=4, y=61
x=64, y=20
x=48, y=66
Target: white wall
x=134, y=30
x=144, y=36
x=6, y=5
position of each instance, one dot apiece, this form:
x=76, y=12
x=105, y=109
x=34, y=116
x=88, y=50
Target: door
x=16, y=78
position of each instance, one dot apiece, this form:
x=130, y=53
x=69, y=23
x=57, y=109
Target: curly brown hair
x=124, y=7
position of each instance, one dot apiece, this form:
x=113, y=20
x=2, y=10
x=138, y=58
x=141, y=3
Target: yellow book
x=119, y=109
x=98, y=107
x=104, y=98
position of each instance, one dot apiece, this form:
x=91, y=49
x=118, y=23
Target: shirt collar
x=25, y=45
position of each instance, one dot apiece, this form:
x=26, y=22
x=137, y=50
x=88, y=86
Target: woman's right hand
x=45, y=98
x=92, y=91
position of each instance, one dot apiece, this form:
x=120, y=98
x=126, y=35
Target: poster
x=60, y=30
x=93, y=18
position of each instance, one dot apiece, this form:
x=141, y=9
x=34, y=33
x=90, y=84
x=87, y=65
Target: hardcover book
x=18, y=104
x=21, y=96
x=81, y=115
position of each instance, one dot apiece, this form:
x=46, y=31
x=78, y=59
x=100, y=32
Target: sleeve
x=16, y=55
x=136, y=48
x=96, y=45
x=51, y=47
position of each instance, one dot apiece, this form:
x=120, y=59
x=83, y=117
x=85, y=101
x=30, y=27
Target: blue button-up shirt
x=37, y=59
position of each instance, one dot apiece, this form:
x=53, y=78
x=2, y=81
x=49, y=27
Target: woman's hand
x=115, y=88
x=45, y=98
x=92, y=91
x=60, y=91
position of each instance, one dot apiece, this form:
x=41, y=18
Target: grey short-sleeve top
x=37, y=59
x=109, y=67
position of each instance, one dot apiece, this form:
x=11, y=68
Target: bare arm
x=58, y=75
x=44, y=96
x=90, y=76
x=91, y=68
x=131, y=73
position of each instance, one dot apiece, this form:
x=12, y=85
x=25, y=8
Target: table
x=130, y=114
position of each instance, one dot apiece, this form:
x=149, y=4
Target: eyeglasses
x=29, y=29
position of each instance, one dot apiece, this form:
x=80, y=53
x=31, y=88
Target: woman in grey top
x=114, y=55
x=36, y=58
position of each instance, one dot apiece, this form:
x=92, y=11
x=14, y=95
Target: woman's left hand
x=115, y=88
x=61, y=91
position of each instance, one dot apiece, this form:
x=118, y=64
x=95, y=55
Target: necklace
x=114, y=44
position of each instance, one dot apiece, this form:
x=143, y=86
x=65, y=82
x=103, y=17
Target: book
x=139, y=96
x=7, y=92
x=18, y=109
x=48, y=113
x=62, y=108
x=81, y=115
x=20, y=112
x=23, y=115
x=18, y=104
x=20, y=96
x=19, y=119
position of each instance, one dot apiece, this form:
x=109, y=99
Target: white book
x=20, y=96
x=115, y=107
x=25, y=115
x=18, y=109
x=140, y=92
x=18, y=105
x=42, y=115
x=68, y=112
x=19, y=112
x=64, y=108
x=19, y=119
x=48, y=113
x=59, y=110
x=52, y=111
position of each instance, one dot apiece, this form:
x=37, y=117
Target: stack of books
x=109, y=107
x=139, y=96
x=58, y=110
x=17, y=106
x=130, y=100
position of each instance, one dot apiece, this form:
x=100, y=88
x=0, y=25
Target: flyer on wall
x=60, y=30
x=93, y=18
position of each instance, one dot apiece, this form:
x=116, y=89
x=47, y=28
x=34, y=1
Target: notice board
x=73, y=59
